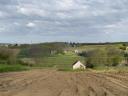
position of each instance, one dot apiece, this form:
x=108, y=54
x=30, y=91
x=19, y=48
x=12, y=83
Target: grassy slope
x=60, y=61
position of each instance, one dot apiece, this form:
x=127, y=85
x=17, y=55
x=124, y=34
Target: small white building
x=76, y=51
x=126, y=48
x=78, y=65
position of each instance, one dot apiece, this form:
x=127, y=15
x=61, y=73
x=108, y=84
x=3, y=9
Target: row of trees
x=28, y=54
x=42, y=50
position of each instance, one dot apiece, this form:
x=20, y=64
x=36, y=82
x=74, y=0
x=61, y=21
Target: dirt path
x=54, y=83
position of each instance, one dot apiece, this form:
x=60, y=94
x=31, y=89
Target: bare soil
x=55, y=83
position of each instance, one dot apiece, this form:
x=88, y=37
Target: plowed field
x=56, y=83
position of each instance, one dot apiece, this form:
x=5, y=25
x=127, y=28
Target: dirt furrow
x=108, y=83
x=56, y=83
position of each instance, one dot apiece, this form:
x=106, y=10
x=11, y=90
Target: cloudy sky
x=26, y=21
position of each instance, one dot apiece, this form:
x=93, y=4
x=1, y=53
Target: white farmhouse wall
x=79, y=65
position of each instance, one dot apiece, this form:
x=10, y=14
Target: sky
x=36, y=21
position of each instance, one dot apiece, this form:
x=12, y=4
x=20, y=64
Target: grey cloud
x=90, y=20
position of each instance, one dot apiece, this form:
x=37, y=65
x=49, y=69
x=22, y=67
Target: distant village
x=9, y=45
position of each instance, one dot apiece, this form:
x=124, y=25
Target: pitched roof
x=76, y=62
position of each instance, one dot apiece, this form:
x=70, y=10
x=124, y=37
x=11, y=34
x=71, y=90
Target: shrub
x=109, y=56
x=116, y=60
x=8, y=55
x=84, y=54
x=89, y=64
x=27, y=61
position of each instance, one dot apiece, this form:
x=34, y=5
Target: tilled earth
x=56, y=83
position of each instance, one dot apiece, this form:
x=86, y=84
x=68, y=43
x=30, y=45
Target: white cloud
x=16, y=23
x=22, y=10
x=30, y=24
x=2, y=29
x=64, y=17
x=3, y=14
x=116, y=28
x=111, y=26
x=65, y=4
x=29, y=9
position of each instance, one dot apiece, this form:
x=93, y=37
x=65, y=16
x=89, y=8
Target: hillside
x=61, y=55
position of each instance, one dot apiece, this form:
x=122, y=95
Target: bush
x=109, y=56
x=27, y=61
x=8, y=55
x=84, y=54
x=115, y=60
x=89, y=64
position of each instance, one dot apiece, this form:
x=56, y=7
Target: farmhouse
x=76, y=51
x=78, y=65
x=126, y=48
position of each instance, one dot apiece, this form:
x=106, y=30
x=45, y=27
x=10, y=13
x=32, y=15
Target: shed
x=78, y=65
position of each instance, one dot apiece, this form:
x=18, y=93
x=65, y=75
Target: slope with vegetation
x=61, y=55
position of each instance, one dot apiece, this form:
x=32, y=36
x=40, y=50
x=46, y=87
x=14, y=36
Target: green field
x=16, y=67
x=91, y=47
x=60, y=61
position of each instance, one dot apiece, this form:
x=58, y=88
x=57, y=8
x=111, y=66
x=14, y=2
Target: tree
x=88, y=63
x=123, y=47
